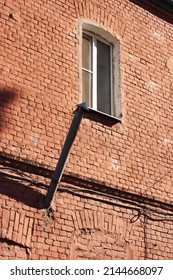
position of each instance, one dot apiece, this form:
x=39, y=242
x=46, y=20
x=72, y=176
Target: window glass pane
x=87, y=68
x=103, y=78
x=87, y=52
x=86, y=87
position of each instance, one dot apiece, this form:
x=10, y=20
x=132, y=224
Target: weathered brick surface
x=15, y=231
x=40, y=85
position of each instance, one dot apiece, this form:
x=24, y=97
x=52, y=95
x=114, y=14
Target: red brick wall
x=83, y=225
x=40, y=85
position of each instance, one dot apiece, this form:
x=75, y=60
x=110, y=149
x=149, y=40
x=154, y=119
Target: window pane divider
x=94, y=84
x=111, y=80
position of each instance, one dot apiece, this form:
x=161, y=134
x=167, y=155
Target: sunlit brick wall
x=40, y=86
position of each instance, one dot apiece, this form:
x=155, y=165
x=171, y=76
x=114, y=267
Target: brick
x=5, y=219
x=25, y=226
x=16, y=222
x=40, y=85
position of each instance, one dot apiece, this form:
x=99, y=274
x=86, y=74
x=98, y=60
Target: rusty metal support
x=79, y=113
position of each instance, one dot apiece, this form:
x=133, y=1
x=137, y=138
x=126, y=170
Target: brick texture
x=115, y=198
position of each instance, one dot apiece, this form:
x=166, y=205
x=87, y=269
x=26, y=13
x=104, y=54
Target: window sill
x=102, y=117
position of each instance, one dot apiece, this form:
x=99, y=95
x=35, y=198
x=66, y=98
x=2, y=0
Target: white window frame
x=96, y=38
x=106, y=37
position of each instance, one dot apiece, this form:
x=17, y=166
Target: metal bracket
x=79, y=113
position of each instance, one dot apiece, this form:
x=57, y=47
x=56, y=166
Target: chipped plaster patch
x=132, y=57
x=168, y=141
x=115, y=164
x=157, y=34
x=153, y=87
x=15, y=16
x=36, y=137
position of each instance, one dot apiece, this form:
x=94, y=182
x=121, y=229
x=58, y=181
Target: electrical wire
x=80, y=192
x=144, y=210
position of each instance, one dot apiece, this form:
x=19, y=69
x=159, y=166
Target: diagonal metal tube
x=81, y=109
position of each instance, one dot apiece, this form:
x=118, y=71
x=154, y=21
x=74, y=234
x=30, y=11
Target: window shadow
x=102, y=118
x=161, y=9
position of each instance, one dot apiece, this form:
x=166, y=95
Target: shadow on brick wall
x=7, y=98
x=20, y=190
x=17, y=187
x=155, y=9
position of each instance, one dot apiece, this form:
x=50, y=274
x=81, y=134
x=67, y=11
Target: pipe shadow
x=21, y=190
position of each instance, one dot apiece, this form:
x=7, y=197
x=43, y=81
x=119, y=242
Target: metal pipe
x=81, y=109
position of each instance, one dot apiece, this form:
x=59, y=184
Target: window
x=100, y=72
x=101, y=88
x=97, y=73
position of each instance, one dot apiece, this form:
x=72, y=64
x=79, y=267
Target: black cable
x=76, y=191
x=141, y=210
